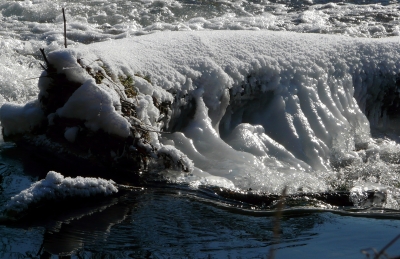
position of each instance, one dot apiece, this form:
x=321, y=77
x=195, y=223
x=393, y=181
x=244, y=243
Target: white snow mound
x=56, y=186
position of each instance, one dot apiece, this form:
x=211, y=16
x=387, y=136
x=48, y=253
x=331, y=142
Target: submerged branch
x=277, y=220
x=377, y=256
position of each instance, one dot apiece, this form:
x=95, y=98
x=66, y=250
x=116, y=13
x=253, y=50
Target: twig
x=141, y=126
x=386, y=247
x=39, y=76
x=277, y=227
x=45, y=60
x=120, y=90
x=65, y=29
x=152, y=130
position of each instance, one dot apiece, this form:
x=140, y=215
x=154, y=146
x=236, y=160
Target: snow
x=265, y=109
x=71, y=133
x=176, y=156
x=303, y=84
x=94, y=105
x=17, y=119
x=55, y=186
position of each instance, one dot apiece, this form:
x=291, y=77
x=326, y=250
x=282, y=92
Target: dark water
x=178, y=222
x=171, y=223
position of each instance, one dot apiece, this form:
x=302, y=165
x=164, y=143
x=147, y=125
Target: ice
x=176, y=156
x=245, y=105
x=258, y=110
x=55, y=186
x=303, y=84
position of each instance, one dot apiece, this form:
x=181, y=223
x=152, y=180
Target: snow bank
x=261, y=109
x=55, y=186
x=305, y=97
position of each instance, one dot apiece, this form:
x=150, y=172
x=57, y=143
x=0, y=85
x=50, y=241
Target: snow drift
x=249, y=109
x=57, y=187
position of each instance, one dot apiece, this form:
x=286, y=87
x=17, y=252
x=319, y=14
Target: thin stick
x=45, y=59
x=386, y=247
x=65, y=29
x=38, y=76
x=277, y=225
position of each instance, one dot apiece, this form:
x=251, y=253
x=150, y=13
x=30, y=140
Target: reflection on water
x=174, y=223
x=66, y=230
x=179, y=222
x=72, y=235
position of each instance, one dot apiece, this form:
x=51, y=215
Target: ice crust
x=272, y=109
x=302, y=94
x=55, y=186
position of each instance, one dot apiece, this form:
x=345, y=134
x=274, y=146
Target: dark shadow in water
x=38, y=162
x=159, y=222
x=70, y=227
x=167, y=223
x=74, y=234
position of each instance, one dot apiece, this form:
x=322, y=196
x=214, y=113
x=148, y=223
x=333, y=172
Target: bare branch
x=65, y=28
x=45, y=60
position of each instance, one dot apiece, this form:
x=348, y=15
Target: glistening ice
x=249, y=109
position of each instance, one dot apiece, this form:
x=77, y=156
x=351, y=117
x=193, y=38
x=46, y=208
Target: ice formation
x=306, y=98
x=250, y=109
x=57, y=187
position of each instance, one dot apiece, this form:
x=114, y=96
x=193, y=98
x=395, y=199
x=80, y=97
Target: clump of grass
x=129, y=86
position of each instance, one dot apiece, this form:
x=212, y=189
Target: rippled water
x=173, y=221
x=170, y=223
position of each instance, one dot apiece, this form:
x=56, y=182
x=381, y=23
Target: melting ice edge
x=247, y=109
